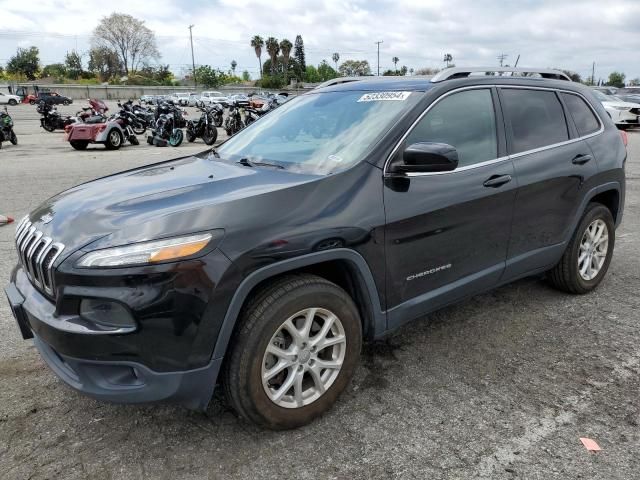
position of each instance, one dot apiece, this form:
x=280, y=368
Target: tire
x=190, y=136
x=13, y=138
x=175, y=139
x=12, y=102
x=79, y=144
x=210, y=135
x=261, y=325
x=567, y=275
x=32, y=102
x=133, y=140
x=49, y=128
x=139, y=129
x=114, y=140
x=66, y=102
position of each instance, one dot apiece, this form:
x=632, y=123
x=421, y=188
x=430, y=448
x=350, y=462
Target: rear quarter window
x=536, y=117
x=583, y=116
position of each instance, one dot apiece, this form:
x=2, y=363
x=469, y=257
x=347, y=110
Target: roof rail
x=462, y=72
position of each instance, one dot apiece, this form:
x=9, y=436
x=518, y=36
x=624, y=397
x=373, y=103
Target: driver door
x=447, y=232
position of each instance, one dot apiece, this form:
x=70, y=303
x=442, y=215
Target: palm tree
x=285, y=47
x=336, y=57
x=257, y=43
x=273, y=48
x=234, y=64
x=395, y=61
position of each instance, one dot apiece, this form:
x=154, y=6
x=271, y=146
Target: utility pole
x=193, y=62
x=593, y=73
x=517, y=60
x=502, y=57
x=378, y=43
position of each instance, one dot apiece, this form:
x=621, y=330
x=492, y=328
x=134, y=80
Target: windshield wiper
x=249, y=163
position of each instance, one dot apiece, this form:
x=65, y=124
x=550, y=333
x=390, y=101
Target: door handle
x=581, y=159
x=497, y=181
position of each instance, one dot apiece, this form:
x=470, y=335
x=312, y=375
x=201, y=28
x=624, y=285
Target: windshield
x=320, y=133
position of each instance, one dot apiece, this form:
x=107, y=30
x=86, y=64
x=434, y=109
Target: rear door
x=554, y=166
x=447, y=233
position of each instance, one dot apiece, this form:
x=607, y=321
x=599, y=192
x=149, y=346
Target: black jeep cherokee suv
x=348, y=211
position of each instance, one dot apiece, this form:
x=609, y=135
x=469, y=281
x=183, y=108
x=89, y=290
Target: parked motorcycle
x=233, y=124
x=168, y=128
x=138, y=119
x=217, y=111
x=51, y=119
x=6, y=128
x=112, y=133
x=203, y=127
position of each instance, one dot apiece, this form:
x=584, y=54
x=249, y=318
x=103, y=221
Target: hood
x=155, y=201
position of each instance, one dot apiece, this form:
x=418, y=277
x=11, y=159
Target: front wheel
x=191, y=137
x=13, y=138
x=588, y=255
x=295, y=350
x=49, y=127
x=210, y=135
x=66, y=102
x=138, y=129
x=12, y=102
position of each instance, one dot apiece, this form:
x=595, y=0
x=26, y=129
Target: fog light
x=106, y=313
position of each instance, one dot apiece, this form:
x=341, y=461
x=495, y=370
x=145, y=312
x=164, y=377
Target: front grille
x=635, y=111
x=37, y=254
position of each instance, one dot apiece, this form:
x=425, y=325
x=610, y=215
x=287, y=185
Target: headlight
x=149, y=252
x=621, y=108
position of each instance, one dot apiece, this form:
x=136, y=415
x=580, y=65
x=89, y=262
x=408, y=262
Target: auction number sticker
x=384, y=96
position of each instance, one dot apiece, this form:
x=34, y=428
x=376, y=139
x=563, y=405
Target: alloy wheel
x=303, y=358
x=593, y=249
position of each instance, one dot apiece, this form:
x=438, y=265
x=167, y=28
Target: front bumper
x=97, y=364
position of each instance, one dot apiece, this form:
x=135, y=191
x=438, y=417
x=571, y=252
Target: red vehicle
x=112, y=133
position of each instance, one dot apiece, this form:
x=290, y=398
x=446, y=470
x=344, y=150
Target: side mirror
x=426, y=157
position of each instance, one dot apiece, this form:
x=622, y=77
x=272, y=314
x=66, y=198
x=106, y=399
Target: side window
x=464, y=120
x=584, y=118
x=536, y=117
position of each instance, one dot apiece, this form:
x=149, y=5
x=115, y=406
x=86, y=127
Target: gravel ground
x=501, y=386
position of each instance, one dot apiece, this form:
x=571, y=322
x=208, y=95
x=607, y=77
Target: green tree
x=55, y=70
x=257, y=43
x=326, y=71
x=25, y=62
x=355, y=68
x=104, y=63
x=129, y=37
x=73, y=62
x=273, y=48
x=285, y=47
x=616, y=79
x=311, y=74
x=298, y=54
x=210, y=77
x=395, y=61
x=245, y=76
x=335, y=57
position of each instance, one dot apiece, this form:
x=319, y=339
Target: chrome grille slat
x=34, y=250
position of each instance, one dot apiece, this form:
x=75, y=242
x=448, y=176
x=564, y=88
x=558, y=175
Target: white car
x=624, y=114
x=194, y=100
x=208, y=98
x=8, y=99
x=179, y=98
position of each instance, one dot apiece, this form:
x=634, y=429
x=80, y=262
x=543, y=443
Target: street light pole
x=193, y=62
x=378, y=43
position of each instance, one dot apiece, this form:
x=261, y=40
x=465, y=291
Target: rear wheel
x=66, y=102
x=588, y=255
x=138, y=129
x=32, y=102
x=12, y=101
x=79, y=144
x=191, y=137
x=295, y=350
x=114, y=140
x=176, y=137
x=48, y=127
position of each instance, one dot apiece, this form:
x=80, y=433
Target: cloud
x=544, y=33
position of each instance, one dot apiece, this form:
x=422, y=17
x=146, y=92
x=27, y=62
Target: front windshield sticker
x=384, y=96
x=335, y=158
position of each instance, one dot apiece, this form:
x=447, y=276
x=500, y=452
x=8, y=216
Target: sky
x=545, y=33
